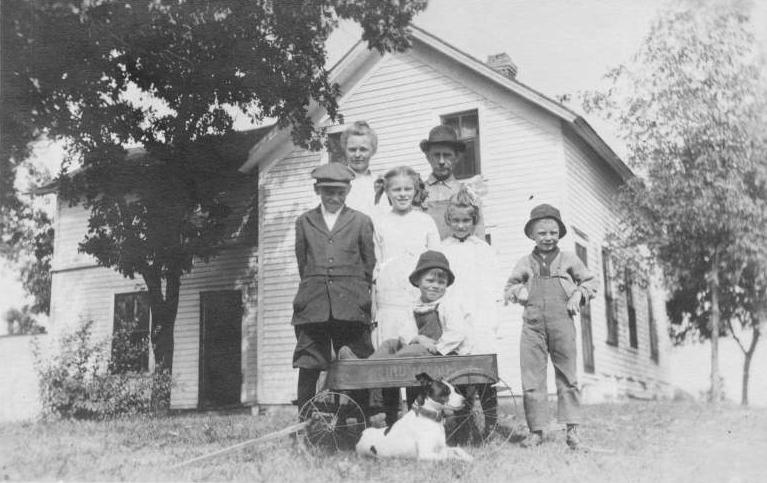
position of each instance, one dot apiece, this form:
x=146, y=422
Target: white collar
x=330, y=218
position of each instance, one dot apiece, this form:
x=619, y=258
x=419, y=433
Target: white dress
x=478, y=286
x=399, y=241
x=361, y=197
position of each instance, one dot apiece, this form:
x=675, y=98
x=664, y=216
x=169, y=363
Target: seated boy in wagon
x=439, y=325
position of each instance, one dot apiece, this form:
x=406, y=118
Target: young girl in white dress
x=478, y=280
x=401, y=235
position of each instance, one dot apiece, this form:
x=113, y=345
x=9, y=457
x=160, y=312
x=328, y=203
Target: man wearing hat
x=336, y=257
x=442, y=149
x=552, y=285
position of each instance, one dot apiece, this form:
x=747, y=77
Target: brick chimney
x=502, y=64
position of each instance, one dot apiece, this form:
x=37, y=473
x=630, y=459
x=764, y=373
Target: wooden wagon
x=337, y=419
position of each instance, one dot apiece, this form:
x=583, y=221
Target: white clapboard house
x=233, y=338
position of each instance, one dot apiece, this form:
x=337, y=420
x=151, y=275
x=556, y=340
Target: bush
x=80, y=382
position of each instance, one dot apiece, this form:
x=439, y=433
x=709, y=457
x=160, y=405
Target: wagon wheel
x=336, y=422
x=481, y=421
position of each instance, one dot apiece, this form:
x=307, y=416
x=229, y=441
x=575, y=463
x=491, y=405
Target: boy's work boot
x=535, y=438
x=573, y=440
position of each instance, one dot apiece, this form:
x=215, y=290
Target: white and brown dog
x=420, y=434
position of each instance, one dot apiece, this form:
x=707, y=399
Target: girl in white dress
x=401, y=235
x=478, y=280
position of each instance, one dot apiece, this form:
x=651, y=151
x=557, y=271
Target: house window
x=612, y=319
x=334, y=149
x=586, y=337
x=130, y=336
x=654, y=354
x=632, y=313
x=466, y=126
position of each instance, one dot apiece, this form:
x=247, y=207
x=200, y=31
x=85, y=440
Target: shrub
x=80, y=382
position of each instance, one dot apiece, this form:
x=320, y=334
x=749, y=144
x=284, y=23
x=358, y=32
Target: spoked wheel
x=481, y=421
x=336, y=422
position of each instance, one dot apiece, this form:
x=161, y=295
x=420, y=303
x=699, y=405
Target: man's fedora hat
x=443, y=135
x=428, y=260
x=544, y=211
x=332, y=174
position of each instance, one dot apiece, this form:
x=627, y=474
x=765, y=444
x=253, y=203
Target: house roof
x=237, y=145
x=347, y=71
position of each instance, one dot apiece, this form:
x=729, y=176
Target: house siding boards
x=84, y=291
x=591, y=189
x=285, y=191
x=402, y=98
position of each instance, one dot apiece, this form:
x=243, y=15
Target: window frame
x=476, y=140
x=631, y=311
x=333, y=137
x=146, y=363
x=587, y=336
x=613, y=332
x=653, y=328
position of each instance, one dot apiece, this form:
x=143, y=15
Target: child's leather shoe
x=535, y=438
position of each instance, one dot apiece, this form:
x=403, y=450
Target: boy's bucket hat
x=545, y=211
x=443, y=135
x=332, y=174
x=428, y=260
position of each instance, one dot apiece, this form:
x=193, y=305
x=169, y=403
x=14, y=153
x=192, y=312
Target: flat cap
x=332, y=174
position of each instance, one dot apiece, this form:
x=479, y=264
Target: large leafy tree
x=691, y=109
x=170, y=75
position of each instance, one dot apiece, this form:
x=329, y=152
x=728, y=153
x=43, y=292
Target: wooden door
x=220, y=348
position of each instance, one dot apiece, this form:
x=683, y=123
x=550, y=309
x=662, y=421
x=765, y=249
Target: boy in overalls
x=552, y=285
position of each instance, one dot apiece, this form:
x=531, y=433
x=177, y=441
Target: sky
x=559, y=46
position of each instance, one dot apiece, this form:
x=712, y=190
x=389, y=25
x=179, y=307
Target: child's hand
x=574, y=303
x=522, y=296
x=431, y=348
x=423, y=340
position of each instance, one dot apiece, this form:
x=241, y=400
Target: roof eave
x=592, y=138
x=278, y=142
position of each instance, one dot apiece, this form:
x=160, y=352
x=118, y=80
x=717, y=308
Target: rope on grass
x=261, y=439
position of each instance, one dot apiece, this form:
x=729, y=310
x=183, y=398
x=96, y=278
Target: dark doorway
x=220, y=348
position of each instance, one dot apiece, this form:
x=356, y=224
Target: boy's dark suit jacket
x=336, y=267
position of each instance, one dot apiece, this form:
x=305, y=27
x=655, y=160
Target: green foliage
x=22, y=322
x=691, y=108
x=170, y=76
x=80, y=381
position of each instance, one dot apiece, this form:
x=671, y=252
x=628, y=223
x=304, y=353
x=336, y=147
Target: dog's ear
x=423, y=378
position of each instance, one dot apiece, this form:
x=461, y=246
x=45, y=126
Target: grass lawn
x=632, y=442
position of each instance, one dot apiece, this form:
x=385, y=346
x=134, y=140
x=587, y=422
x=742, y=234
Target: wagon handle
x=267, y=437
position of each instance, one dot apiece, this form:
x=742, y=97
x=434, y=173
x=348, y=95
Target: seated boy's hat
x=332, y=174
x=544, y=211
x=443, y=135
x=428, y=260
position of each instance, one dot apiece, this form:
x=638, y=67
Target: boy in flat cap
x=336, y=257
x=552, y=285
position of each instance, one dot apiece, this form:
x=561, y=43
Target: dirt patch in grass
x=630, y=442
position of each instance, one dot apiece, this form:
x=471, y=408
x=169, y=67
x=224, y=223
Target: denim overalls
x=548, y=330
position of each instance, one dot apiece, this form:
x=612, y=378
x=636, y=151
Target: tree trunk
x=747, y=356
x=164, y=309
x=716, y=390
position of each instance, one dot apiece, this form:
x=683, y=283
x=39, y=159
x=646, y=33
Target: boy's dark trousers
x=312, y=354
x=548, y=330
